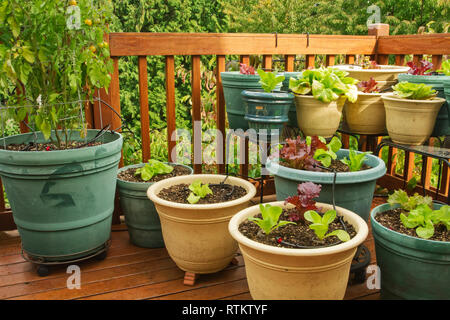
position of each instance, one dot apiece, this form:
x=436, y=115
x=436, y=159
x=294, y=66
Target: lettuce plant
x=423, y=219
x=199, y=191
x=299, y=153
x=369, y=86
x=325, y=84
x=325, y=156
x=270, y=215
x=320, y=225
x=409, y=203
x=414, y=91
x=424, y=69
x=303, y=201
x=269, y=80
x=355, y=160
x=445, y=67
x=152, y=168
x=245, y=69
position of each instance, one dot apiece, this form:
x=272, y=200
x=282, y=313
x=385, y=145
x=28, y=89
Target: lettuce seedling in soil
x=299, y=154
x=199, y=191
x=424, y=69
x=414, y=91
x=423, y=219
x=269, y=80
x=320, y=225
x=270, y=215
x=152, y=168
x=369, y=86
x=409, y=203
x=304, y=200
x=245, y=69
x=325, y=156
x=445, y=68
x=355, y=160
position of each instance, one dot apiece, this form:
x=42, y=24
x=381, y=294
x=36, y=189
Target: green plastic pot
x=140, y=213
x=233, y=83
x=62, y=201
x=411, y=268
x=353, y=190
x=442, y=126
x=267, y=111
x=447, y=91
x=285, y=87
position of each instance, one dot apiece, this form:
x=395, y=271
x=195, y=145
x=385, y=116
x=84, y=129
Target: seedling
x=325, y=156
x=270, y=215
x=269, y=80
x=303, y=201
x=153, y=168
x=369, y=86
x=423, y=219
x=424, y=69
x=414, y=91
x=409, y=203
x=299, y=153
x=320, y=225
x=199, y=191
x=245, y=69
x=445, y=67
x=356, y=160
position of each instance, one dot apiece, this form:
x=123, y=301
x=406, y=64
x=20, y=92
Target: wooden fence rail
x=377, y=44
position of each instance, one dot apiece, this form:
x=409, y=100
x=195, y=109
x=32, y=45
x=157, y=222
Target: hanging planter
x=140, y=213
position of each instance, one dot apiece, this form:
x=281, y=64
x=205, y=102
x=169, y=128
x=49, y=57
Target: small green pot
x=285, y=87
x=353, y=190
x=411, y=268
x=140, y=213
x=267, y=111
x=442, y=126
x=62, y=201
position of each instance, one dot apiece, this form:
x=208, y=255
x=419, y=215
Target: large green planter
x=62, y=201
x=267, y=110
x=447, y=91
x=140, y=213
x=285, y=87
x=442, y=126
x=353, y=190
x=233, y=83
x=411, y=268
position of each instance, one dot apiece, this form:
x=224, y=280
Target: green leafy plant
x=414, y=91
x=55, y=54
x=326, y=156
x=409, y=203
x=325, y=84
x=153, y=168
x=355, y=160
x=424, y=219
x=270, y=215
x=320, y=225
x=445, y=67
x=269, y=80
x=199, y=191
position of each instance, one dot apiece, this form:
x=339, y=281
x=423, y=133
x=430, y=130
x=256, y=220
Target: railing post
x=379, y=30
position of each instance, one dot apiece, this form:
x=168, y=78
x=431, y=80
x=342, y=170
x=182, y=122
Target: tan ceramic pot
x=386, y=76
x=316, y=118
x=408, y=121
x=366, y=115
x=196, y=235
x=275, y=273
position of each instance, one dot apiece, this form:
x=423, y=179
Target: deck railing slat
x=220, y=113
x=196, y=112
x=143, y=98
x=170, y=107
x=289, y=63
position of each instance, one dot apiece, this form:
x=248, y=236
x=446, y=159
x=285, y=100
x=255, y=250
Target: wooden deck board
x=130, y=272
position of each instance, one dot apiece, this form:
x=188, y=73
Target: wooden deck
x=130, y=272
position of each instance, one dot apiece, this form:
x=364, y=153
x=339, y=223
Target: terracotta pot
x=366, y=115
x=196, y=235
x=409, y=121
x=275, y=273
x=316, y=118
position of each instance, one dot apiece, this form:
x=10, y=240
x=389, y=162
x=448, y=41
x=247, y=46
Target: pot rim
x=392, y=97
x=360, y=225
x=151, y=192
x=404, y=238
x=140, y=165
x=384, y=68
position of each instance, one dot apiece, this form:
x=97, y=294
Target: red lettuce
x=245, y=69
x=369, y=86
x=298, y=154
x=425, y=68
x=303, y=201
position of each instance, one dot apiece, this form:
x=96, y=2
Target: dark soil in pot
x=221, y=193
x=50, y=146
x=391, y=220
x=128, y=175
x=298, y=234
x=336, y=165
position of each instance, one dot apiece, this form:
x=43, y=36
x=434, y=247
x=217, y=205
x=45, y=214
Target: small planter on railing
x=413, y=256
x=140, y=214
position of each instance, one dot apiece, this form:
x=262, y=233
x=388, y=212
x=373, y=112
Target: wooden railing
x=378, y=44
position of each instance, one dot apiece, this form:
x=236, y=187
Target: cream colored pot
x=366, y=115
x=316, y=118
x=196, y=235
x=275, y=273
x=386, y=77
x=408, y=121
